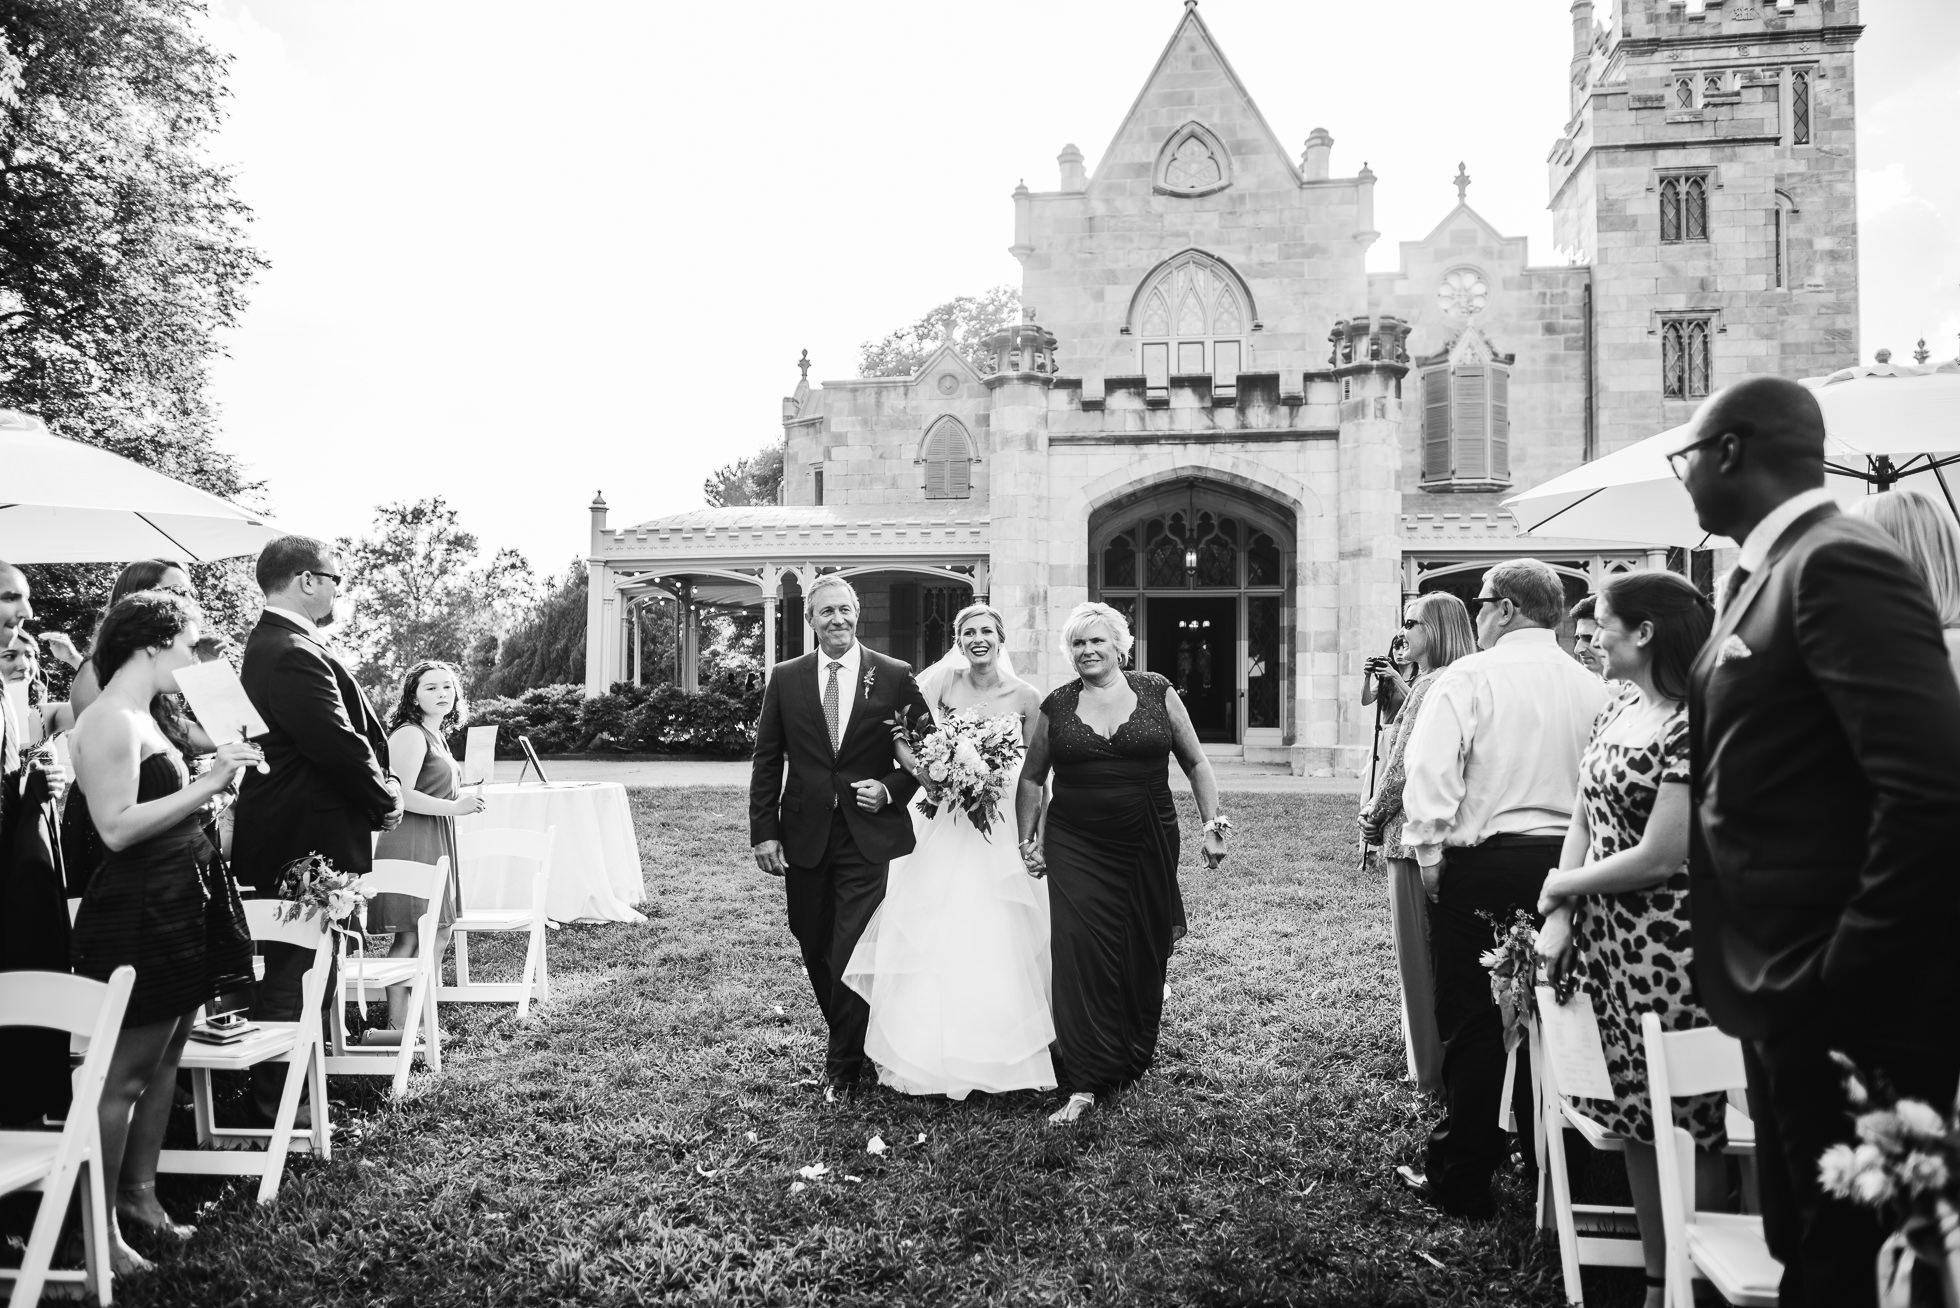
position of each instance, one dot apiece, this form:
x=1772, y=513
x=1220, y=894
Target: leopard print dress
x=1634, y=945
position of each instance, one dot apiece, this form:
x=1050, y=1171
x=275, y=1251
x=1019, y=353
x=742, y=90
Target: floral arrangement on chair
x=1513, y=965
x=1906, y=1164
x=967, y=762
x=314, y=887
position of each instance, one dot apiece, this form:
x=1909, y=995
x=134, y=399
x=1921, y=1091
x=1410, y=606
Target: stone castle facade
x=1215, y=418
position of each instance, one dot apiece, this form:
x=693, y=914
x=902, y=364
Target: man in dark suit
x=831, y=825
x=1825, y=735
x=326, y=789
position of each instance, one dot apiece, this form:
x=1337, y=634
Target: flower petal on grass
x=813, y=1171
x=876, y=1145
x=797, y=1187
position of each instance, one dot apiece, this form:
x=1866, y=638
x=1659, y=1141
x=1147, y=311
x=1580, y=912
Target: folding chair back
x=368, y=975
x=1589, y=1235
x=1727, y=1249
x=55, y=1164
x=262, y=920
x=511, y=867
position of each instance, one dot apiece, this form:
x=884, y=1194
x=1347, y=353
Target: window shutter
x=1500, y=424
x=1436, y=424
x=1470, y=420
x=949, y=461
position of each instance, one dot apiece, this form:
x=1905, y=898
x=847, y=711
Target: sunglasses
x=1409, y=623
x=334, y=577
x=1477, y=602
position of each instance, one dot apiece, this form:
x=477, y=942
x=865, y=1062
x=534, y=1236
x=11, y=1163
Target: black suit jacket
x=1826, y=762
x=326, y=791
x=796, y=809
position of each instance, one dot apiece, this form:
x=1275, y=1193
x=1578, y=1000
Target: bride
x=955, y=962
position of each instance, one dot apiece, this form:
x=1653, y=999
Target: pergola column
x=772, y=580
x=638, y=678
x=690, y=643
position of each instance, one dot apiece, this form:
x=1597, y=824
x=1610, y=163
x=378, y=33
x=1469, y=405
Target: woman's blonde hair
x=1085, y=616
x=1451, y=636
x=1925, y=533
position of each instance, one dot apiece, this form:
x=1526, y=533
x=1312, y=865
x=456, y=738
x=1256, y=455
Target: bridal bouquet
x=1906, y=1164
x=966, y=762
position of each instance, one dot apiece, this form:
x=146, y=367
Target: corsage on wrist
x=1220, y=825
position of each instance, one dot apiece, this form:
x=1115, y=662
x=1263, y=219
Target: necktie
x=1736, y=581
x=830, y=705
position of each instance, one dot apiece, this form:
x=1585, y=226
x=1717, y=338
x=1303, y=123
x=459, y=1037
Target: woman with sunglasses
x=1436, y=628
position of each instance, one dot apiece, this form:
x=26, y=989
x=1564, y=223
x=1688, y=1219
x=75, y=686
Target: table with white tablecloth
x=595, y=862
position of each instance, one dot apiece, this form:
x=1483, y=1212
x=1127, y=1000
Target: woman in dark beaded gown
x=149, y=905
x=1109, y=845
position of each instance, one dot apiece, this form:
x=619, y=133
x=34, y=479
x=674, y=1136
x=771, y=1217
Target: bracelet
x=1220, y=824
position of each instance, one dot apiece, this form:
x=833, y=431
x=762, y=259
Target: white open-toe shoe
x=1077, y=1105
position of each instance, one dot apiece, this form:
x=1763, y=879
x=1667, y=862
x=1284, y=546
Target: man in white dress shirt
x=1493, y=768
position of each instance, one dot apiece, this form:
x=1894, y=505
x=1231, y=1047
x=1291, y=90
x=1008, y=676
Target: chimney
x=1313, y=160
x=1074, y=176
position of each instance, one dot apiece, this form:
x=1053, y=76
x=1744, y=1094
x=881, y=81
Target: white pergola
x=708, y=560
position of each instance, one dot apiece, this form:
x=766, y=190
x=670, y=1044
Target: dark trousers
x=829, y=907
x=277, y=1000
x=1489, y=881
x=1796, y=1097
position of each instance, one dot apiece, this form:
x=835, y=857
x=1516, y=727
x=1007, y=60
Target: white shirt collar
x=851, y=658
x=1758, y=544
x=293, y=615
x=1528, y=634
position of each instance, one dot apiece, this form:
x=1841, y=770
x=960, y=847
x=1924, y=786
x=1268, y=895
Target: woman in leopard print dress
x=1617, y=908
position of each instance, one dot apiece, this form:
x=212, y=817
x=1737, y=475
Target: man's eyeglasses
x=1677, y=462
x=334, y=577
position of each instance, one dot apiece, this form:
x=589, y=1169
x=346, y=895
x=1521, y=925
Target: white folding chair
x=1589, y=1235
x=298, y=1044
x=55, y=1163
x=502, y=858
x=370, y=976
x=1726, y=1249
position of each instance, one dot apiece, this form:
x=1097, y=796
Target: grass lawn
x=638, y=1139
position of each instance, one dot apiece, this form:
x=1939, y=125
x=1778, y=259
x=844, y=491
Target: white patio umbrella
x=1881, y=422
x=65, y=502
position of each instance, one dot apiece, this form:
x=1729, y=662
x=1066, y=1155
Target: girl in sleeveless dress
x=954, y=963
x=147, y=904
x=429, y=707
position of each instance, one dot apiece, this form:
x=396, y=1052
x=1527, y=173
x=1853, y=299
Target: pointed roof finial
x=1190, y=4
x=1462, y=183
x=803, y=365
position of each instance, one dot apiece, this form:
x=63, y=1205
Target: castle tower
x=1708, y=178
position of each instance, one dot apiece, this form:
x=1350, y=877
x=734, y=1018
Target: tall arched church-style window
x=947, y=456
x=1191, y=318
x=1466, y=416
x=1800, y=107
x=1192, y=162
x=1684, y=207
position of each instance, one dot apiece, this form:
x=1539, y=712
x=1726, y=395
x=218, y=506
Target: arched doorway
x=1204, y=573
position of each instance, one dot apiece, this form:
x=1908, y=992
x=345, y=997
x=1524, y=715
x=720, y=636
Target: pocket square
x=1732, y=649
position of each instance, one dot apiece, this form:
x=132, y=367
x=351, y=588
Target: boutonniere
x=1731, y=650
x=870, y=680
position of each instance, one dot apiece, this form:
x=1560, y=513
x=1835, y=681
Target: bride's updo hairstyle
x=974, y=611
x=1088, y=615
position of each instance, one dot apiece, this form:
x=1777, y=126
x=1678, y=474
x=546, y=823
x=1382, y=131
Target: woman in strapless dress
x=149, y=903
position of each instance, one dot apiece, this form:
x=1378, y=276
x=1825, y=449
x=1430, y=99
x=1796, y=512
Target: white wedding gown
x=955, y=964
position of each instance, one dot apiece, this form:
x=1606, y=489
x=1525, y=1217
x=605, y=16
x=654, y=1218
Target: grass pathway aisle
x=638, y=1140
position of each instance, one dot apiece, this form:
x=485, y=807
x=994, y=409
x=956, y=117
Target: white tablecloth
x=595, y=873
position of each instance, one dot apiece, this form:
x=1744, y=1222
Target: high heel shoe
x=1077, y=1105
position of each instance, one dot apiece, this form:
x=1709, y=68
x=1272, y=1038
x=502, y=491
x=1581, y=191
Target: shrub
x=627, y=719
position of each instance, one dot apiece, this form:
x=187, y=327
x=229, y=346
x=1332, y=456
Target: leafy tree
x=546, y=646
x=971, y=319
x=757, y=479
x=122, y=248
x=420, y=592
x=122, y=256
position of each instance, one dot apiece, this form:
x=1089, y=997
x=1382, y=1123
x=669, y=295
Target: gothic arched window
x=1800, y=107
x=1192, y=162
x=1684, y=93
x=1684, y=207
x=948, y=458
x=1191, y=318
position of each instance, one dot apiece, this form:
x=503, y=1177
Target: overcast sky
x=521, y=253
